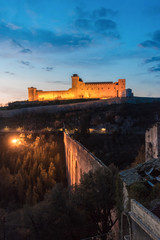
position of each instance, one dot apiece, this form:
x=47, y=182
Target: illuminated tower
x=32, y=94
x=121, y=87
x=75, y=81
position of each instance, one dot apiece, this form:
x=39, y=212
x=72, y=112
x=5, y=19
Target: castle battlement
x=80, y=90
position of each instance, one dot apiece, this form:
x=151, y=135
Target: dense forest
x=30, y=165
x=68, y=214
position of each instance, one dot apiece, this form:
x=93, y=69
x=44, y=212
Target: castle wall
x=102, y=90
x=53, y=95
x=80, y=90
x=78, y=160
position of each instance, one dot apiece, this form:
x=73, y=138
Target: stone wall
x=51, y=95
x=78, y=160
x=145, y=225
x=152, y=142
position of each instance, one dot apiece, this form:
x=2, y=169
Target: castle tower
x=32, y=94
x=121, y=86
x=75, y=81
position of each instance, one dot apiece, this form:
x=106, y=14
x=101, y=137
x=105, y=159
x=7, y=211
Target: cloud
x=81, y=13
x=26, y=50
x=15, y=43
x=63, y=40
x=48, y=69
x=104, y=24
x=153, y=59
x=82, y=23
x=97, y=23
x=155, y=69
x=154, y=42
x=27, y=63
x=13, y=26
x=106, y=27
x=85, y=28
x=11, y=73
x=103, y=12
x=40, y=37
x=156, y=36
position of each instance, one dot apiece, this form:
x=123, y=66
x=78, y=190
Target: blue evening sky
x=43, y=42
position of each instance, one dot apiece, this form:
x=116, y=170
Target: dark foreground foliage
x=79, y=213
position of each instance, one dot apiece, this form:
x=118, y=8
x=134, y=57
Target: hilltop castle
x=79, y=90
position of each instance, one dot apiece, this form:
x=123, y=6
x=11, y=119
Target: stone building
x=80, y=90
x=152, y=142
x=138, y=222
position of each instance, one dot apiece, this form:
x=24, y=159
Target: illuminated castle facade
x=79, y=90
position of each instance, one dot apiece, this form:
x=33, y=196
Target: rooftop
x=98, y=82
x=148, y=171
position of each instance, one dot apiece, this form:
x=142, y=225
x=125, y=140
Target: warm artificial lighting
x=19, y=129
x=47, y=129
x=14, y=140
x=6, y=129
x=103, y=129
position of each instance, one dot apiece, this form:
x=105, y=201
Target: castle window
x=102, y=88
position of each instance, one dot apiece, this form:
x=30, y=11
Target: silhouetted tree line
x=30, y=169
x=142, y=114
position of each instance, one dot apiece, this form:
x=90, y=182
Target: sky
x=44, y=42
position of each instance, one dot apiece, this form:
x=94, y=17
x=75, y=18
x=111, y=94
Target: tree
x=57, y=217
x=140, y=192
x=96, y=196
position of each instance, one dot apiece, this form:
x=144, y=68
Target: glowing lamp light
x=14, y=140
x=103, y=129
